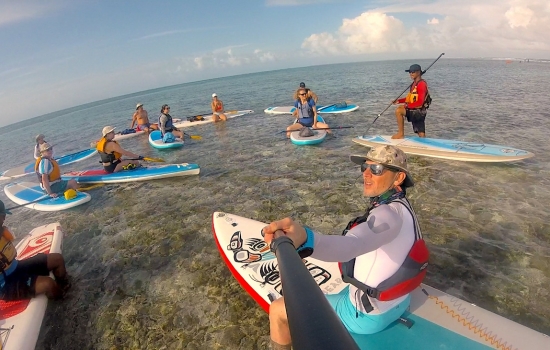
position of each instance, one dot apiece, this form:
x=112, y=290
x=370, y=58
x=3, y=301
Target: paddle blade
x=147, y=159
x=87, y=188
x=195, y=137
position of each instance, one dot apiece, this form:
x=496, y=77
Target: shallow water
x=147, y=272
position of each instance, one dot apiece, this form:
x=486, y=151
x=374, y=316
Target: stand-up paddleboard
x=26, y=192
x=441, y=321
x=20, y=321
x=209, y=119
x=334, y=108
x=142, y=173
x=318, y=136
x=127, y=133
x=63, y=160
x=155, y=140
x=447, y=149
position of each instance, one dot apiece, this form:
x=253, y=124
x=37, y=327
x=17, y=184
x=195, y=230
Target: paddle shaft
x=47, y=196
x=408, y=87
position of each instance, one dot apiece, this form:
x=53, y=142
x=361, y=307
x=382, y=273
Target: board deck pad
x=24, y=193
x=441, y=321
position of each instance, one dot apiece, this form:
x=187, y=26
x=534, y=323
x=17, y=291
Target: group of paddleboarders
x=25, y=279
x=382, y=253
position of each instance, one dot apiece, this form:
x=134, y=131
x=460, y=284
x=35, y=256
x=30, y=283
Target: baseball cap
x=214, y=95
x=139, y=105
x=45, y=146
x=414, y=68
x=302, y=85
x=39, y=137
x=3, y=209
x=387, y=155
x=107, y=130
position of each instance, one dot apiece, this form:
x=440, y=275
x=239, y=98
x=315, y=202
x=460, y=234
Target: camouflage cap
x=387, y=155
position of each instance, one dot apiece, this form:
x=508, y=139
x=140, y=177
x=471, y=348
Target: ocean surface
x=147, y=274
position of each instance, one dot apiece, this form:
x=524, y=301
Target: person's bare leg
x=400, y=118
x=278, y=325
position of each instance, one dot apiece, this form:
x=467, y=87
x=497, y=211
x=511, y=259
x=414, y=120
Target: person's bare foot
x=398, y=136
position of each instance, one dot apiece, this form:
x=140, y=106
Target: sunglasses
x=375, y=169
x=302, y=94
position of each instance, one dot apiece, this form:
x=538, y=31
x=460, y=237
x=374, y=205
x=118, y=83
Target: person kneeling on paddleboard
x=25, y=279
x=111, y=153
x=306, y=112
x=166, y=123
x=384, y=256
x=49, y=175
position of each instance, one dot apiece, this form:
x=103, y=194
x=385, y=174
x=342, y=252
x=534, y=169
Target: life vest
x=169, y=125
x=412, y=96
x=310, y=113
x=8, y=253
x=409, y=275
x=54, y=176
x=107, y=157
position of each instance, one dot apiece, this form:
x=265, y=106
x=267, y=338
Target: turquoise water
x=146, y=269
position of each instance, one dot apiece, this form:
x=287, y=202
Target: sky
x=58, y=54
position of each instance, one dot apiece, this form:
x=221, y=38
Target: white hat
x=139, y=105
x=214, y=95
x=107, y=130
x=45, y=146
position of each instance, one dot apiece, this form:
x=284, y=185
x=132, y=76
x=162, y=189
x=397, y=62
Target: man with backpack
x=415, y=105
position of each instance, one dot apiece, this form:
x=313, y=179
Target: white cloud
x=468, y=28
x=230, y=57
x=17, y=11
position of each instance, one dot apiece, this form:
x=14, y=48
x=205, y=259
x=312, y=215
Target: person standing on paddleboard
x=49, y=175
x=142, y=119
x=305, y=112
x=415, y=105
x=310, y=94
x=217, y=109
x=111, y=153
x=25, y=279
x=383, y=256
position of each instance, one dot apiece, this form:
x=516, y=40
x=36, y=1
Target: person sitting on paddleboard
x=111, y=153
x=49, y=175
x=310, y=94
x=306, y=112
x=415, y=105
x=142, y=119
x=39, y=140
x=166, y=123
x=382, y=252
x=25, y=279
x=217, y=109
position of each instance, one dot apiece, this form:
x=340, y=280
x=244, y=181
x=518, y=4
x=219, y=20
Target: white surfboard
x=447, y=149
x=20, y=321
x=33, y=197
x=441, y=321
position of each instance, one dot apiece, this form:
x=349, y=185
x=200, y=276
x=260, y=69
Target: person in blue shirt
x=306, y=113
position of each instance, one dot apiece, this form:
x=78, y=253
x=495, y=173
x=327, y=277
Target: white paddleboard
x=441, y=321
x=209, y=119
x=447, y=149
x=318, y=136
x=20, y=321
x=329, y=109
x=27, y=192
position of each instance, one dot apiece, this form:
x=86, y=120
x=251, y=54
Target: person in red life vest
x=49, y=175
x=217, y=109
x=415, y=105
x=24, y=279
x=383, y=256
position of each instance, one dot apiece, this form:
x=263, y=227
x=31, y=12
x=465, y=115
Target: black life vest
x=409, y=275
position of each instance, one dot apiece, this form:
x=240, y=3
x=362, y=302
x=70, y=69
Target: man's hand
x=286, y=227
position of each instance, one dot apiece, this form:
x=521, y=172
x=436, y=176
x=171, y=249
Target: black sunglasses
x=375, y=169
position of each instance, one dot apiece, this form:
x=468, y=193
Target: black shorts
x=111, y=167
x=20, y=283
x=417, y=117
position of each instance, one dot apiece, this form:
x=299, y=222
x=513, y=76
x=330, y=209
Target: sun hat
x=139, y=105
x=3, y=209
x=387, y=155
x=214, y=95
x=45, y=146
x=414, y=68
x=107, y=130
x=39, y=137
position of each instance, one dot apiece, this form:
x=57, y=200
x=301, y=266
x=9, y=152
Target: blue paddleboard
x=155, y=140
